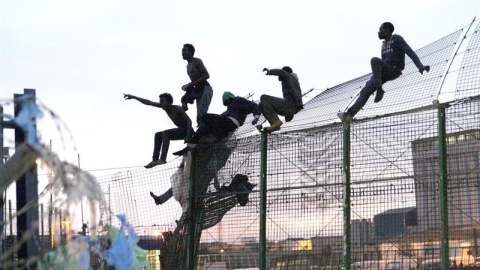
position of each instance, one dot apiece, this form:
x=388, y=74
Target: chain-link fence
x=397, y=188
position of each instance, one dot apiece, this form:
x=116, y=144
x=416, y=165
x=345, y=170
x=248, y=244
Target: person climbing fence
x=199, y=88
x=220, y=126
x=388, y=68
x=162, y=139
x=288, y=106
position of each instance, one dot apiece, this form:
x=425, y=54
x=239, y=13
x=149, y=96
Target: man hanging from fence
x=162, y=139
x=386, y=69
x=288, y=106
x=198, y=89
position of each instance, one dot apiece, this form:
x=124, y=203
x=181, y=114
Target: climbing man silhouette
x=162, y=139
x=287, y=106
x=238, y=108
x=198, y=89
x=386, y=69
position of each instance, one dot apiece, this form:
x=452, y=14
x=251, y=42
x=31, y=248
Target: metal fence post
x=442, y=163
x=27, y=191
x=191, y=215
x=263, y=204
x=2, y=221
x=346, y=202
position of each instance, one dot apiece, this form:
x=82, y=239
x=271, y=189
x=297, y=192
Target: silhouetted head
x=188, y=51
x=227, y=98
x=166, y=99
x=386, y=30
x=287, y=69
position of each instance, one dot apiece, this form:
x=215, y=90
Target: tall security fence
x=397, y=188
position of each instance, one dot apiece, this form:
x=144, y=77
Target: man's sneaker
x=345, y=116
x=289, y=117
x=182, y=152
x=274, y=127
x=155, y=163
x=158, y=199
x=379, y=95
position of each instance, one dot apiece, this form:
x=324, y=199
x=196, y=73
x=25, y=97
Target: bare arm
x=142, y=100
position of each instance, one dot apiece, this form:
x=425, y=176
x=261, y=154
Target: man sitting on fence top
x=287, y=106
x=386, y=69
x=162, y=139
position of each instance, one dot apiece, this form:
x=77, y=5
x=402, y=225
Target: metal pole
x=41, y=223
x=60, y=221
x=84, y=225
x=27, y=190
x=263, y=203
x=475, y=242
x=442, y=162
x=50, y=223
x=2, y=199
x=190, y=263
x=10, y=216
x=346, y=203
x=11, y=238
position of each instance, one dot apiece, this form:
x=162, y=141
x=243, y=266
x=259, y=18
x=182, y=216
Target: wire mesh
x=394, y=172
x=468, y=81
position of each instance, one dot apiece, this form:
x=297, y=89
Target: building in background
x=463, y=162
x=395, y=222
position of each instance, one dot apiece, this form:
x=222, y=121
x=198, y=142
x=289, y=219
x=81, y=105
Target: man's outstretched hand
x=423, y=68
x=127, y=96
x=265, y=70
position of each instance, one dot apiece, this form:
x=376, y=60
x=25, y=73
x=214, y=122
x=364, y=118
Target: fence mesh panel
x=394, y=173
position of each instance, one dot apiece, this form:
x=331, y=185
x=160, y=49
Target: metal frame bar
x=443, y=185
x=346, y=203
x=263, y=204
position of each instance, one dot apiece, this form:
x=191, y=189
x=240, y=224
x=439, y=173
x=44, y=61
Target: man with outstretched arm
x=162, y=139
x=386, y=69
x=288, y=106
x=198, y=89
x=220, y=126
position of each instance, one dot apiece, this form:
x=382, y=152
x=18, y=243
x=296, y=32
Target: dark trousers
x=162, y=141
x=271, y=107
x=215, y=124
x=382, y=72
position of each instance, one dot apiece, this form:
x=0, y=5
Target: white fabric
x=179, y=182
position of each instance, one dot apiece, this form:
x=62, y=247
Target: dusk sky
x=81, y=56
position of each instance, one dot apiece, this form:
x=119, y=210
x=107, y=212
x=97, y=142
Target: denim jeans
x=162, y=140
x=215, y=124
x=204, y=102
x=382, y=72
x=271, y=107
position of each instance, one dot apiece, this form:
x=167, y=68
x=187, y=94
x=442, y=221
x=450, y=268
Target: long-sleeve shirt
x=394, y=50
x=239, y=108
x=290, y=86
